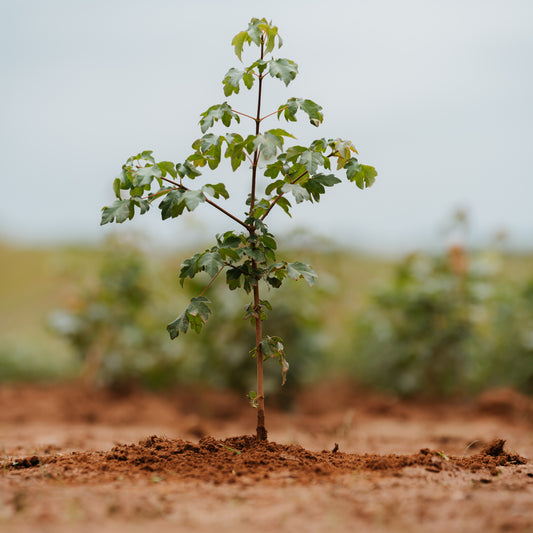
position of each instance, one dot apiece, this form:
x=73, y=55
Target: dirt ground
x=75, y=459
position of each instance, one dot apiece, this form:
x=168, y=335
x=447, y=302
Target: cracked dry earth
x=75, y=459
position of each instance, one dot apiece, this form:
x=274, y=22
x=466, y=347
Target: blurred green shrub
x=113, y=325
x=508, y=337
x=418, y=333
x=446, y=324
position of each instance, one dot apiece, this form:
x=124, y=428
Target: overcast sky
x=436, y=94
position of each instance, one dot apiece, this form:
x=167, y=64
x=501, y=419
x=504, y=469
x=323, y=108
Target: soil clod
x=495, y=448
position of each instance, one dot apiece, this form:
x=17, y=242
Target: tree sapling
x=248, y=256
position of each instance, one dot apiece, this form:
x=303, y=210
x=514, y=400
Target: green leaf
x=283, y=69
x=342, y=150
x=145, y=175
x=273, y=169
x=211, y=262
x=273, y=282
x=175, y=202
x=275, y=186
x=314, y=189
x=141, y=203
x=270, y=142
x=195, y=316
x=261, y=65
x=279, y=132
x=167, y=167
x=313, y=110
x=316, y=185
x=300, y=194
x=197, y=159
x=233, y=278
x=147, y=155
x=285, y=205
x=230, y=240
x=363, y=175
x=117, y=187
x=248, y=79
x=328, y=180
x=254, y=31
x=172, y=205
x=235, y=149
x=180, y=325
x=208, y=150
x=193, y=199
x=252, y=397
x=189, y=268
x=120, y=210
x=300, y=270
x=311, y=160
x=187, y=170
x=294, y=152
x=261, y=207
x=230, y=253
x=221, y=112
x=238, y=42
x=217, y=190
x=269, y=241
x=231, y=81
x=289, y=109
x=271, y=34
x=266, y=303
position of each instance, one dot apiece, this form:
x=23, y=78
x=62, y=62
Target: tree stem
x=261, y=429
x=257, y=123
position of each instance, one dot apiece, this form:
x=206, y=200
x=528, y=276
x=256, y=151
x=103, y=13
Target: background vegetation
x=433, y=324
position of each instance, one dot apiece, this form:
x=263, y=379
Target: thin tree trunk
x=261, y=429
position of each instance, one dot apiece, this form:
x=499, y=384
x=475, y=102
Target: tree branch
x=210, y=202
x=213, y=279
x=227, y=213
x=273, y=113
x=244, y=115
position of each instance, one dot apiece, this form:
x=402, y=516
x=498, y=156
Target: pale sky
x=436, y=94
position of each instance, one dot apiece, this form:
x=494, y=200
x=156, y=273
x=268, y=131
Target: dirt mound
x=244, y=459
x=506, y=402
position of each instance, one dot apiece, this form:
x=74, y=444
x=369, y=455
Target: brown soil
x=341, y=460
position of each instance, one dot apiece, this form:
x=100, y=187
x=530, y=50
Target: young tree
x=248, y=257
